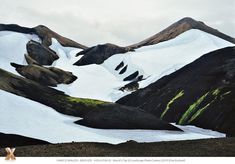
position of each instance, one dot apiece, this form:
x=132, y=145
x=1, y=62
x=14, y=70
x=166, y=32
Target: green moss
x=191, y=110
x=88, y=102
x=216, y=92
x=180, y=94
x=198, y=113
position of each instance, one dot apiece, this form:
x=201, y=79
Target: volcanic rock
x=98, y=54
x=50, y=76
x=119, y=66
x=122, y=117
x=40, y=53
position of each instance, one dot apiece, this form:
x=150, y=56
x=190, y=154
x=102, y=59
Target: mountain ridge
x=178, y=28
x=99, y=53
x=44, y=33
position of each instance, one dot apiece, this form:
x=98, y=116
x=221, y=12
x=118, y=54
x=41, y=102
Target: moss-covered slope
x=201, y=93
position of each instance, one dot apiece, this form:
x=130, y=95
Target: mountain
x=98, y=54
x=178, y=28
x=41, y=88
x=119, y=74
x=201, y=93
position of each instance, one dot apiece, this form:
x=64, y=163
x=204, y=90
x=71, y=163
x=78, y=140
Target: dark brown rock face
x=46, y=76
x=98, y=54
x=47, y=34
x=40, y=53
x=201, y=93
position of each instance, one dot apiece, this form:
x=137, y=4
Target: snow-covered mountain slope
x=164, y=58
x=25, y=117
x=98, y=82
x=103, y=81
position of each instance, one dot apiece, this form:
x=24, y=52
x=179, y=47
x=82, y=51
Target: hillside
x=201, y=93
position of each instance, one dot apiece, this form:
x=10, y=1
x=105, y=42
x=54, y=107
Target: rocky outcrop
x=40, y=53
x=44, y=33
x=130, y=87
x=98, y=54
x=131, y=76
x=80, y=107
x=178, y=28
x=123, y=70
x=123, y=117
x=201, y=93
x=49, y=76
x=119, y=66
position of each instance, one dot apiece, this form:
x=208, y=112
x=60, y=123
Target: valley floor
x=204, y=147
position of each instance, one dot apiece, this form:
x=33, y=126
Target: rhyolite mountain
x=202, y=93
x=98, y=54
x=40, y=65
x=178, y=28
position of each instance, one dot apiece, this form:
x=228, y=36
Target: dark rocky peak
x=98, y=54
x=178, y=28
